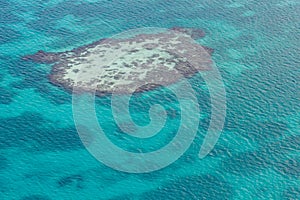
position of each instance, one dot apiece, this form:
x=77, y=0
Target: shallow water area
x=256, y=45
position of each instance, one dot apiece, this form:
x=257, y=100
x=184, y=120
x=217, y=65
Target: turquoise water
x=256, y=50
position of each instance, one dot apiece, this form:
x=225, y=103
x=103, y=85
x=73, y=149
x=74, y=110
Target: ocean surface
x=256, y=45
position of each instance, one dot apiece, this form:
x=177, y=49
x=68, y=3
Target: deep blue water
x=256, y=46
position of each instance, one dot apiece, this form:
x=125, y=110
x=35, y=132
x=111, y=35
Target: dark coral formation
x=249, y=163
x=76, y=179
x=53, y=57
x=28, y=128
x=192, y=187
x=291, y=193
x=43, y=57
x=6, y=96
x=35, y=197
x=3, y=162
x=209, y=50
x=194, y=33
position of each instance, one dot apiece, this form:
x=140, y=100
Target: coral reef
x=131, y=64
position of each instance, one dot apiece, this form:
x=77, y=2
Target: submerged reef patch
x=194, y=33
x=30, y=128
x=291, y=193
x=75, y=180
x=35, y=197
x=6, y=96
x=3, y=162
x=134, y=63
x=253, y=162
x=192, y=187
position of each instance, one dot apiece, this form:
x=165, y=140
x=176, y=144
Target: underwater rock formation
x=69, y=180
x=193, y=32
x=43, y=57
x=132, y=64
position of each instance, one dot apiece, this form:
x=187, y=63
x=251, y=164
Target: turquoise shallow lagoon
x=256, y=45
